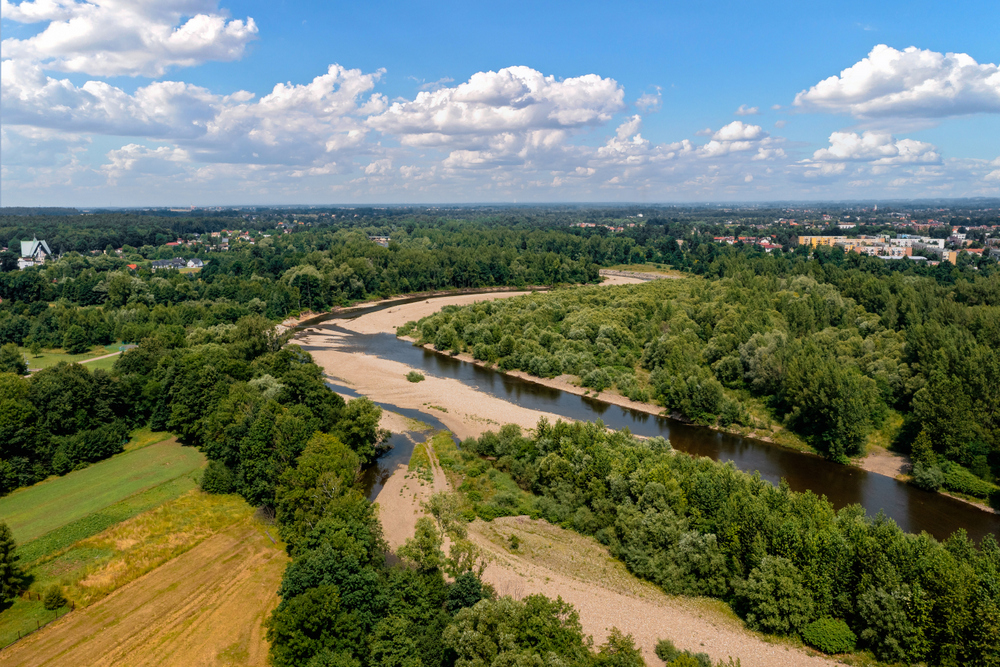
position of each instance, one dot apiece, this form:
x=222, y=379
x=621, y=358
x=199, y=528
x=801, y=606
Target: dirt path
x=557, y=562
x=205, y=607
x=103, y=356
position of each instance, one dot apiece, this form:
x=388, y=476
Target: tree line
x=786, y=562
x=831, y=352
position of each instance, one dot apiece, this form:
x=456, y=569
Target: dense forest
x=828, y=348
x=786, y=562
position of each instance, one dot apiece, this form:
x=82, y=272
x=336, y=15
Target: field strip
x=46, y=506
x=204, y=607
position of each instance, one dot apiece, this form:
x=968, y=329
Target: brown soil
x=205, y=607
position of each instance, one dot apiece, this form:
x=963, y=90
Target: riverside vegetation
x=210, y=368
x=830, y=351
x=786, y=562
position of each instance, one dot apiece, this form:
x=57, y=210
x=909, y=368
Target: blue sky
x=174, y=102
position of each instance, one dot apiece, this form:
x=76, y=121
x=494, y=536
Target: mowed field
x=36, y=510
x=203, y=607
x=159, y=572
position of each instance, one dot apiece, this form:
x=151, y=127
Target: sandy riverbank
x=465, y=411
x=558, y=562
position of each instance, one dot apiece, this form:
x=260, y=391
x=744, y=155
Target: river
x=913, y=509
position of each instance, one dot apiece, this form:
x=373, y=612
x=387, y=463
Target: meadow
x=52, y=356
x=34, y=511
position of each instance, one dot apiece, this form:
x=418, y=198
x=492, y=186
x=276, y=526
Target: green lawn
x=23, y=617
x=49, y=505
x=51, y=357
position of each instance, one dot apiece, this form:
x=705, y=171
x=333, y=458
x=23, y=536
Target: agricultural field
x=55, y=522
x=47, y=506
x=189, y=582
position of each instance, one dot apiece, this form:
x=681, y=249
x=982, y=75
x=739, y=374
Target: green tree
x=619, y=651
x=76, y=340
x=309, y=624
x=11, y=577
x=11, y=360
x=773, y=599
x=54, y=598
x=359, y=429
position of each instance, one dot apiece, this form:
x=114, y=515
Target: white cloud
x=780, y=123
x=913, y=82
x=650, y=102
x=739, y=131
x=294, y=124
x=494, y=108
x=879, y=148
x=744, y=110
x=126, y=37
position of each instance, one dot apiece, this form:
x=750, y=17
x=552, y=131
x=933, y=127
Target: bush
x=927, y=477
x=960, y=480
x=54, y=598
x=414, y=376
x=829, y=635
x=217, y=478
x=670, y=654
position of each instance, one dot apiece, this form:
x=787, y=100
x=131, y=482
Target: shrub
x=670, y=654
x=217, y=478
x=54, y=598
x=927, y=477
x=414, y=376
x=960, y=480
x=829, y=635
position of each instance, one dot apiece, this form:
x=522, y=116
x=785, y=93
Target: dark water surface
x=912, y=508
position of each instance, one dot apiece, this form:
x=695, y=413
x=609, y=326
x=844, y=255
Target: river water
x=912, y=508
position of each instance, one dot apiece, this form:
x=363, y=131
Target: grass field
x=51, y=357
x=36, y=510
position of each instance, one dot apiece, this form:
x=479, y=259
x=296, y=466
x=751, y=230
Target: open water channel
x=913, y=509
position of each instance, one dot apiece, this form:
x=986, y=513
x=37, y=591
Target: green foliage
x=960, y=480
x=415, y=376
x=10, y=572
x=54, y=598
x=927, y=477
x=11, y=360
x=217, y=478
x=619, y=651
x=311, y=624
x=773, y=599
x=784, y=559
x=76, y=340
x=829, y=635
x=508, y=631
x=670, y=654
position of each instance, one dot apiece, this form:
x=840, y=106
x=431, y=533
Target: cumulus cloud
x=878, y=148
x=294, y=124
x=739, y=131
x=492, y=105
x=126, y=37
x=913, y=82
x=744, y=110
